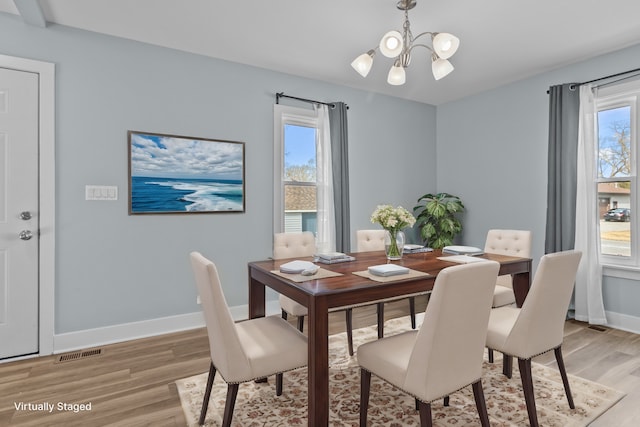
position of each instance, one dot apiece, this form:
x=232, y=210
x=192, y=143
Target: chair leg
x=507, y=365
x=412, y=311
x=490, y=354
x=365, y=386
x=445, y=401
x=565, y=380
x=279, y=384
x=527, y=386
x=232, y=392
x=300, y=323
x=425, y=414
x=207, y=394
x=348, y=317
x=284, y=315
x=380, y=320
x=478, y=394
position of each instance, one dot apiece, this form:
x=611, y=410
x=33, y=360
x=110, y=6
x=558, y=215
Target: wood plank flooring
x=132, y=383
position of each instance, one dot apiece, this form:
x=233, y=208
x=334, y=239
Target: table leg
x=256, y=298
x=521, y=284
x=318, y=349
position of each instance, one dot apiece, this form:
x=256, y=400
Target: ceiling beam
x=31, y=12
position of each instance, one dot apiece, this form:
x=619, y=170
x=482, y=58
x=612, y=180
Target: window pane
x=299, y=153
x=614, y=153
x=614, y=201
x=300, y=206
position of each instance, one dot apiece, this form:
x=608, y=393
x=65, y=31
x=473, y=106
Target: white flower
x=392, y=219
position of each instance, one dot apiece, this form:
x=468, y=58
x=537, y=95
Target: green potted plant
x=437, y=220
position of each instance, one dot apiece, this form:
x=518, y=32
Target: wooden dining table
x=320, y=294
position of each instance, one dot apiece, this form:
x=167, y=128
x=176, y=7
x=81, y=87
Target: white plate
x=297, y=267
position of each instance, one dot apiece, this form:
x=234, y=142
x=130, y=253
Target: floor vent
x=598, y=328
x=77, y=355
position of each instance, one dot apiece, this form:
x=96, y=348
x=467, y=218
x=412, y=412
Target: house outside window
x=616, y=121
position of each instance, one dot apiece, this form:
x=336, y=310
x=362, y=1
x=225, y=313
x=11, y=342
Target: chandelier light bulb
x=363, y=63
x=391, y=44
x=440, y=68
x=397, y=75
x=445, y=45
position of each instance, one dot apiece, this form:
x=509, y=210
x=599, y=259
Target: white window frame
x=610, y=97
x=285, y=115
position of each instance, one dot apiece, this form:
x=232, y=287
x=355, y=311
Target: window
x=299, y=178
x=295, y=163
x=617, y=167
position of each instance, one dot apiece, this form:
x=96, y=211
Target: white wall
x=115, y=269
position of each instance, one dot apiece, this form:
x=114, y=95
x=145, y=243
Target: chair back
x=290, y=245
x=540, y=324
x=508, y=242
x=449, y=347
x=369, y=240
x=226, y=350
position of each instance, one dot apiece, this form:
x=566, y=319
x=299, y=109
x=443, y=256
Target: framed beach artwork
x=170, y=174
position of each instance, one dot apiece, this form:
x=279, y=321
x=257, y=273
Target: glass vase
x=393, y=244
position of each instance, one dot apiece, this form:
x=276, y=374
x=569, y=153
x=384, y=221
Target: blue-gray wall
x=112, y=268
x=494, y=148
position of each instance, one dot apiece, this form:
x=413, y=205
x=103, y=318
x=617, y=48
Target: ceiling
x=501, y=40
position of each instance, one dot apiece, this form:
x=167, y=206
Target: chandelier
x=399, y=46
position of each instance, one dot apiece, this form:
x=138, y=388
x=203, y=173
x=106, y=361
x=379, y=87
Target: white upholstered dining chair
x=511, y=243
x=369, y=240
x=291, y=245
x=373, y=240
x=303, y=244
x=537, y=327
x=244, y=351
x=422, y=362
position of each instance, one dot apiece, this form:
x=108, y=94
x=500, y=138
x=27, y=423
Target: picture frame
x=173, y=174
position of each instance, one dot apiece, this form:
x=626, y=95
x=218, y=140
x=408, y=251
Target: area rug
x=258, y=405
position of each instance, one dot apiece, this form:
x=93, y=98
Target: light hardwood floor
x=132, y=383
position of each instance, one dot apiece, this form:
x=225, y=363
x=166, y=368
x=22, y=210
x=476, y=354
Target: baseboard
x=623, y=322
x=129, y=331
x=96, y=337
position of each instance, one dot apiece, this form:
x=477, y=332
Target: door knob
x=25, y=234
x=26, y=215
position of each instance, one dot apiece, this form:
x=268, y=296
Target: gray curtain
x=564, y=106
x=340, y=166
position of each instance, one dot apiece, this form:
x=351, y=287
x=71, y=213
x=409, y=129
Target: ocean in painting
x=185, y=195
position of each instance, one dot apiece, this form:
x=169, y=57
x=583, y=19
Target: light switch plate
x=101, y=192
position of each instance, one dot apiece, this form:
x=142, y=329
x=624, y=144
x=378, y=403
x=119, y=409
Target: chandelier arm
x=421, y=45
x=423, y=34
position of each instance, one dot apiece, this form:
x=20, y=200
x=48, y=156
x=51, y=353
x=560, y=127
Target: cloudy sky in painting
x=176, y=157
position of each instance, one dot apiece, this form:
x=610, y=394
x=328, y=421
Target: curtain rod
x=312, y=101
x=610, y=76
x=604, y=78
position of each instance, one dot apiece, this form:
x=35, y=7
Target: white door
x=19, y=213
